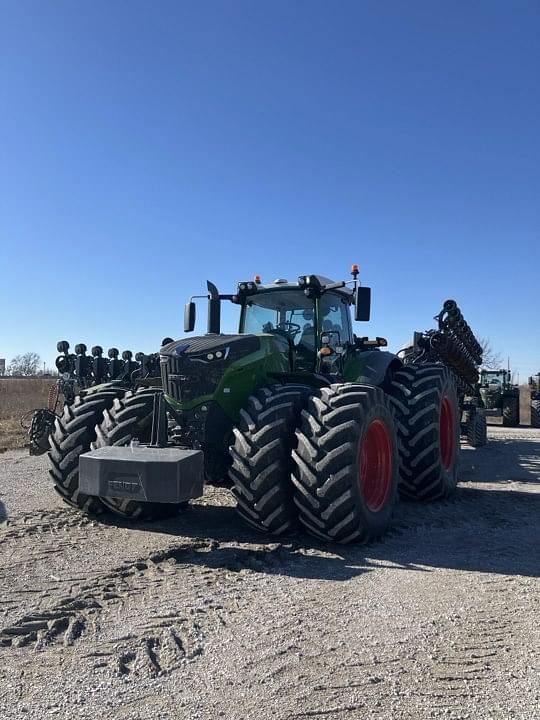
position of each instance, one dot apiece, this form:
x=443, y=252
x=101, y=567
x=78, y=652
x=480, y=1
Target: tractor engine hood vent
x=193, y=367
x=234, y=346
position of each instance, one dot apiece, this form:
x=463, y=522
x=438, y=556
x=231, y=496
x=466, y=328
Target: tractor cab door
x=335, y=332
x=335, y=319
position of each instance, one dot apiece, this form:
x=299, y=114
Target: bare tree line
x=28, y=364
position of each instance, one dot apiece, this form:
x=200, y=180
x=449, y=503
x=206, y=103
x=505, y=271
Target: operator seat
x=305, y=348
x=307, y=339
x=308, y=336
x=330, y=327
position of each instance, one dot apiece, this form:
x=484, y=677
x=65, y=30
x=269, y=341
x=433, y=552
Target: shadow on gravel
x=480, y=530
x=509, y=460
x=3, y=512
x=293, y=559
x=213, y=536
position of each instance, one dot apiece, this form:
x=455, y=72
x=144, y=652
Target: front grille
x=186, y=379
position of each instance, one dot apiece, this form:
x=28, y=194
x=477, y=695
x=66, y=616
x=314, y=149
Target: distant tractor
x=534, y=385
x=499, y=396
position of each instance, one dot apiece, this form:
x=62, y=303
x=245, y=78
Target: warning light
x=258, y=279
x=355, y=268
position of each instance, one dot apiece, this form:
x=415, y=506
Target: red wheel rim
x=376, y=464
x=447, y=433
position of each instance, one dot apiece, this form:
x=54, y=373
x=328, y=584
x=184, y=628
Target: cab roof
x=282, y=284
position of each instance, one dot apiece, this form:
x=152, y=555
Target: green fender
x=370, y=367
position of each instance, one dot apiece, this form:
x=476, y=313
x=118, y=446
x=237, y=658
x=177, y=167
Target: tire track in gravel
x=478, y=646
x=161, y=642
x=67, y=618
x=167, y=643
x=451, y=674
x=43, y=522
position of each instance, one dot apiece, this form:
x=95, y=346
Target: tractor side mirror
x=189, y=317
x=362, y=304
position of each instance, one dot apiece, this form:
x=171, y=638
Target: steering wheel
x=289, y=328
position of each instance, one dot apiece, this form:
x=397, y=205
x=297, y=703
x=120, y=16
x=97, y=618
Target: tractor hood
x=193, y=368
x=209, y=348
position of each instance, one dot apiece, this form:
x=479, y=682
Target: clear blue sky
x=148, y=146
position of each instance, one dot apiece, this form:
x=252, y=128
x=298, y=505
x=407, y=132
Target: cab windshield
x=492, y=378
x=291, y=315
x=285, y=312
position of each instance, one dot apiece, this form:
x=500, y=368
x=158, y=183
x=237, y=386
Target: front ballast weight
x=135, y=478
x=143, y=473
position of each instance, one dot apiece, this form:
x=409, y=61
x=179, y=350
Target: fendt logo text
x=127, y=486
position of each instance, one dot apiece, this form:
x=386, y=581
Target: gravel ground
x=202, y=618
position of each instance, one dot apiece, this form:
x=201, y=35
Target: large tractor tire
x=73, y=435
x=477, y=430
x=535, y=413
x=346, y=464
x=427, y=416
x=510, y=410
x=130, y=418
x=261, y=458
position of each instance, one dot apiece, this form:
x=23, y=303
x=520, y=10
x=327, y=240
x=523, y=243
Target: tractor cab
x=303, y=323
x=497, y=393
x=309, y=321
x=495, y=379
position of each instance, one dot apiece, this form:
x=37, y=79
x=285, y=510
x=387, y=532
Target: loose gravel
x=202, y=618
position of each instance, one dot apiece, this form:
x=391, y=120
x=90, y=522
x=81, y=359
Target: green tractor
x=534, y=385
x=499, y=396
x=313, y=426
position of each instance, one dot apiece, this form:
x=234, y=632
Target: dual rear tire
x=73, y=434
x=333, y=460
x=109, y=417
x=325, y=460
x=428, y=422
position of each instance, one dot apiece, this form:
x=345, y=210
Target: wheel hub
x=447, y=434
x=376, y=464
